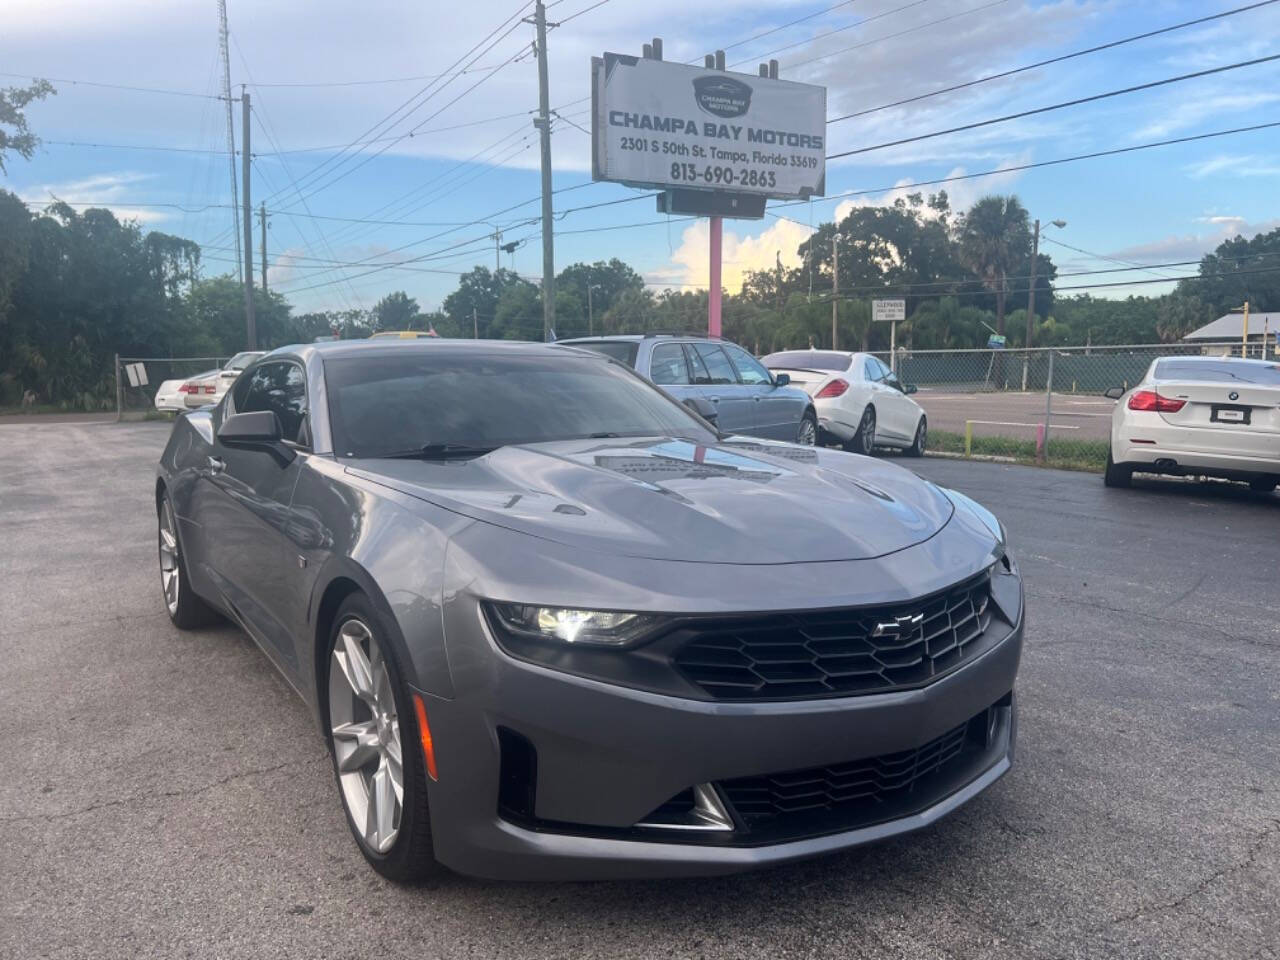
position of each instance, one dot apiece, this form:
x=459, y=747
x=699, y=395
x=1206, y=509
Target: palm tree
x=994, y=238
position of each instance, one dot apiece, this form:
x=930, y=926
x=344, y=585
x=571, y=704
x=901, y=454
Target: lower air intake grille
x=840, y=652
x=868, y=791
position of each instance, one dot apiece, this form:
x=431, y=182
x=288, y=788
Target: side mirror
x=1115, y=393
x=910, y=388
x=259, y=426
x=703, y=408
x=781, y=379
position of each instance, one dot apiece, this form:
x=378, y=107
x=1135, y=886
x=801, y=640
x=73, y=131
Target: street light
x=590, y=309
x=1031, y=294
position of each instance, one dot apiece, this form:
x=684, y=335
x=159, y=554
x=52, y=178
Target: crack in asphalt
x=1244, y=863
x=1176, y=621
x=161, y=795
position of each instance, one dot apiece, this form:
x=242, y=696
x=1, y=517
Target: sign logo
x=1233, y=395
x=722, y=97
x=898, y=626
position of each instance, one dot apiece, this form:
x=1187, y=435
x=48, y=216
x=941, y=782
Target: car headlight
x=601, y=628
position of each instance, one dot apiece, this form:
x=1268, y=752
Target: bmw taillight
x=188, y=388
x=1150, y=400
x=833, y=389
x=210, y=388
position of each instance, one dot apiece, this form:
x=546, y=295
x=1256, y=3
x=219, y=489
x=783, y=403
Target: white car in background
x=171, y=397
x=860, y=401
x=1202, y=416
x=209, y=388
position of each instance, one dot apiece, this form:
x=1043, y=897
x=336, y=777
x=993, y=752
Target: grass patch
x=1064, y=454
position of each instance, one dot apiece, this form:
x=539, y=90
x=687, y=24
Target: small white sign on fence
x=137, y=373
x=888, y=311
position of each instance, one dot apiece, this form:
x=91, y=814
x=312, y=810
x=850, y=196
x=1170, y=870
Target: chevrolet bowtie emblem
x=897, y=626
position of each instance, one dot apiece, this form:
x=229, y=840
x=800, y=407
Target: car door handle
x=217, y=464
x=756, y=399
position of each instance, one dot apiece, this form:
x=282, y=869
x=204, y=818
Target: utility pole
x=225, y=55
x=1031, y=302
x=497, y=250
x=475, y=325
x=543, y=123
x=250, y=325
x=263, y=215
x=590, y=312
x=835, y=286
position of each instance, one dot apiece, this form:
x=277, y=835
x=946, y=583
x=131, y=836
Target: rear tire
x=366, y=722
x=1116, y=474
x=1263, y=484
x=864, y=441
x=186, y=610
x=922, y=435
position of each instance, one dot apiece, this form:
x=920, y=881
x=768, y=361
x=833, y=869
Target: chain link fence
x=1016, y=402
x=141, y=380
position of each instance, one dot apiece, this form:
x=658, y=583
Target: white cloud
x=107, y=190
x=740, y=254
x=1192, y=246
x=1241, y=165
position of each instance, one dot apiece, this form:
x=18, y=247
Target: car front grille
x=839, y=652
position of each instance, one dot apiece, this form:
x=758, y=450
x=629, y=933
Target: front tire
x=864, y=441
x=186, y=610
x=1116, y=474
x=922, y=435
x=376, y=747
x=807, y=434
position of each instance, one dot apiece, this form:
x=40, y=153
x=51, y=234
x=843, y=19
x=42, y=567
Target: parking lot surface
x=165, y=794
x=1073, y=417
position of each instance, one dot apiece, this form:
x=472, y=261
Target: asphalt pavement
x=165, y=794
x=1071, y=416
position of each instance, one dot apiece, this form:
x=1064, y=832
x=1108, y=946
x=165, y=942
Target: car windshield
x=1219, y=371
x=242, y=360
x=623, y=350
x=394, y=405
x=806, y=360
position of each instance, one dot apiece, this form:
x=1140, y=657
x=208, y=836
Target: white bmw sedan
x=1202, y=416
x=860, y=401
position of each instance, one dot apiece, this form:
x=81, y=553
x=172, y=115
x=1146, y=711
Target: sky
x=324, y=75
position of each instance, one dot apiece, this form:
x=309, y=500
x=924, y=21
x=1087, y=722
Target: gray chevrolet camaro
x=553, y=625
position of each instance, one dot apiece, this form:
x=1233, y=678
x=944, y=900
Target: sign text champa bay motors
x=662, y=124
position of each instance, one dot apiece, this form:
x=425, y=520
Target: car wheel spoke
x=356, y=745
x=382, y=809
x=354, y=662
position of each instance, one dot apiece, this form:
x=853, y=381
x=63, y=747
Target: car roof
x=1208, y=358
x=395, y=347
x=637, y=337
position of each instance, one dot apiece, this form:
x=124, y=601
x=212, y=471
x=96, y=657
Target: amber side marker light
x=424, y=731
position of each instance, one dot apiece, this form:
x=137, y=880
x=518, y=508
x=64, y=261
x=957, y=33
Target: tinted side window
x=280, y=387
x=719, y=368
x=617, y=349
x=871, y=370
x=749, y=368
x=700, y=374
x=667, y=365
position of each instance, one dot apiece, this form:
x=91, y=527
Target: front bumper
x=606, y=756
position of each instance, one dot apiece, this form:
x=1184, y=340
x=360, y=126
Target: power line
x=900, y=33
x=1032, y=166
x=1058, y=59
x=116, y=86
x=790, y=23
x=206, y=151
x=1058, y=106
x=861, y=23
x=575, y=16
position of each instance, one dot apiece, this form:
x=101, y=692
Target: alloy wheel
x=170, y=580
x=365, y=726
x=808, y=435
x=867, y=431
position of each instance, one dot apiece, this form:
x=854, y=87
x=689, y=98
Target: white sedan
x=171, y=396
x=209, y=388
x=860, y=401
x=1203, y=416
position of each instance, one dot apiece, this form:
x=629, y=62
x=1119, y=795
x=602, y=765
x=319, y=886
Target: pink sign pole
x=713, y=298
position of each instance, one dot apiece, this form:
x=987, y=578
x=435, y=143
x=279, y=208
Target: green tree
x=1239, y=270
x=13, y=105
x=396, y=311
x=995, y=237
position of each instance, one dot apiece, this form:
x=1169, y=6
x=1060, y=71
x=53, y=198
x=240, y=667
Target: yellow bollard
x=968, y=438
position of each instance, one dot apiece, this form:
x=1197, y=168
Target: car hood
x=737, y=501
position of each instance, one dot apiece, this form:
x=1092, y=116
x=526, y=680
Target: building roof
x=1230, y=326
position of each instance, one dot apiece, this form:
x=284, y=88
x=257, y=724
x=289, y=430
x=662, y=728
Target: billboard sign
x=888, y=311
x=661, y=124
